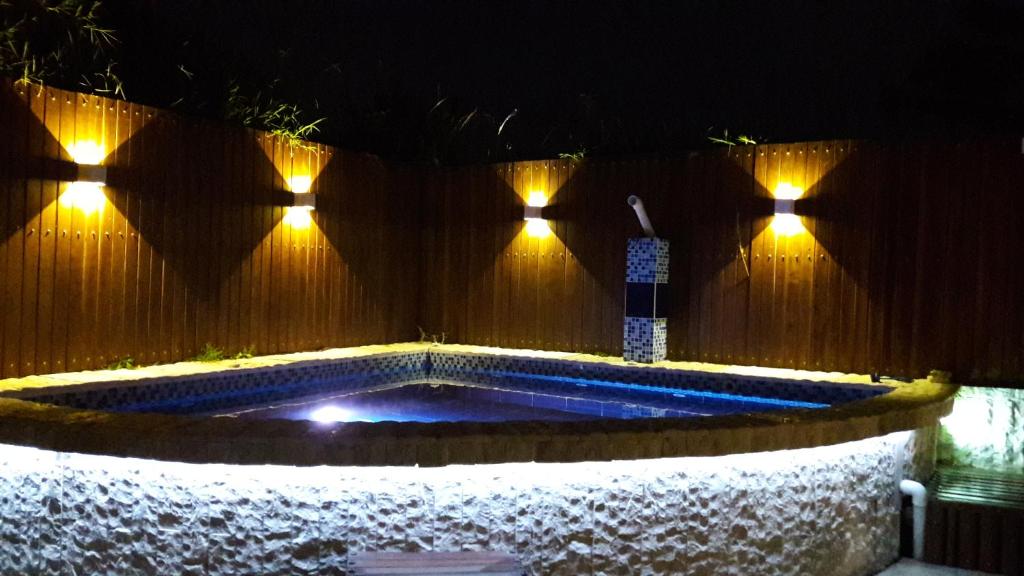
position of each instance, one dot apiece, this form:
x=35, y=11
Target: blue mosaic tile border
x=514, y=378
x=213, y=391
x=500, y=371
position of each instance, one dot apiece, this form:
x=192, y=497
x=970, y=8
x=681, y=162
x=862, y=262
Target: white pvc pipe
x=641, y=214
x=919, y=496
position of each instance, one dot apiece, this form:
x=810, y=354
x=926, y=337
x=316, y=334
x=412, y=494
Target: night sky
x=433, y=81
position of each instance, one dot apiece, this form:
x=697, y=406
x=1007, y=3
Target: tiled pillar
x=646, y=330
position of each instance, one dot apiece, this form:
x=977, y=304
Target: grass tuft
x=126, y=363
x=244, y=353
x=209, y=353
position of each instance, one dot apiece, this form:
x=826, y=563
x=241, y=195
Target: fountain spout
x=641, y=214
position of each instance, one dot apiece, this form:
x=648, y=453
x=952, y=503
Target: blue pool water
x=562, y=399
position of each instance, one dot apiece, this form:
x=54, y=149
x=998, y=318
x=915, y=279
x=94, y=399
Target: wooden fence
x=908, y=260
x=189, y=242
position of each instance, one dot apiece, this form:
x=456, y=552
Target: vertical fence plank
x=31, y=191
x=7, y=182
x=737, y=182
x=499, y=335
x=110, y=265
x=31, y=340
x=145, y=208
x=50, y=148
x=823, y=299
x=11, y=233
x=76, y=223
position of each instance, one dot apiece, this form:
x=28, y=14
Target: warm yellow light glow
x=300, y=184
x=85, y=196
x=537, y=227
x=298, y=216
x=786, y=191
x=787, y=224
x=86, y=152
x=537, y=199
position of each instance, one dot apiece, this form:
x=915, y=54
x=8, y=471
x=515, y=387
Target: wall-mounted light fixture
x=786, y=222
x=298, y=215
x=784, y=206
x=92, y=174
x=304, y=201
x=86, y=192
x=536, y=225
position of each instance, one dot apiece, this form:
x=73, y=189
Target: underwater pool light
x=330, y=413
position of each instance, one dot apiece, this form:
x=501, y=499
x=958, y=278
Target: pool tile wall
x=645, y=329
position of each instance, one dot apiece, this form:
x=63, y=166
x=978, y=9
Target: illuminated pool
x=800, y=479
x=438, y=386
x=567, y=400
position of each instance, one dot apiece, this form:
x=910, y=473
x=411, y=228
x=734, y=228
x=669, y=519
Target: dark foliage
x=481, y=81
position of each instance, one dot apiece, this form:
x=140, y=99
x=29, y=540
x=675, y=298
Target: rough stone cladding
x=985, y=430
x=829, y=511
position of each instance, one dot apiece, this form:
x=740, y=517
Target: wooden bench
x=975, y=520
x=434, y=563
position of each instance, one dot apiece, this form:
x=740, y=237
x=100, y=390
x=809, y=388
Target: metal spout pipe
x=641, y=214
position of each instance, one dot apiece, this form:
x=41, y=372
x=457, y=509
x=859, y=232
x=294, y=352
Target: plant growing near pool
x=432, y=338
x=209, y=353
x=126, y=363
x=244, y=353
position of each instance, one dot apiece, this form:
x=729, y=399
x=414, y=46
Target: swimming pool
x=799, y=480
x=438, y=386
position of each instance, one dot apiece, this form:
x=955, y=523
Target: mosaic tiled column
x=646, y=329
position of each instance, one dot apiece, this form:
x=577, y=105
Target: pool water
x=426, y=402
x=409, y=403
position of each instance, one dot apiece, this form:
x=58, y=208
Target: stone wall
x=830, y=510
x=985, y=430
